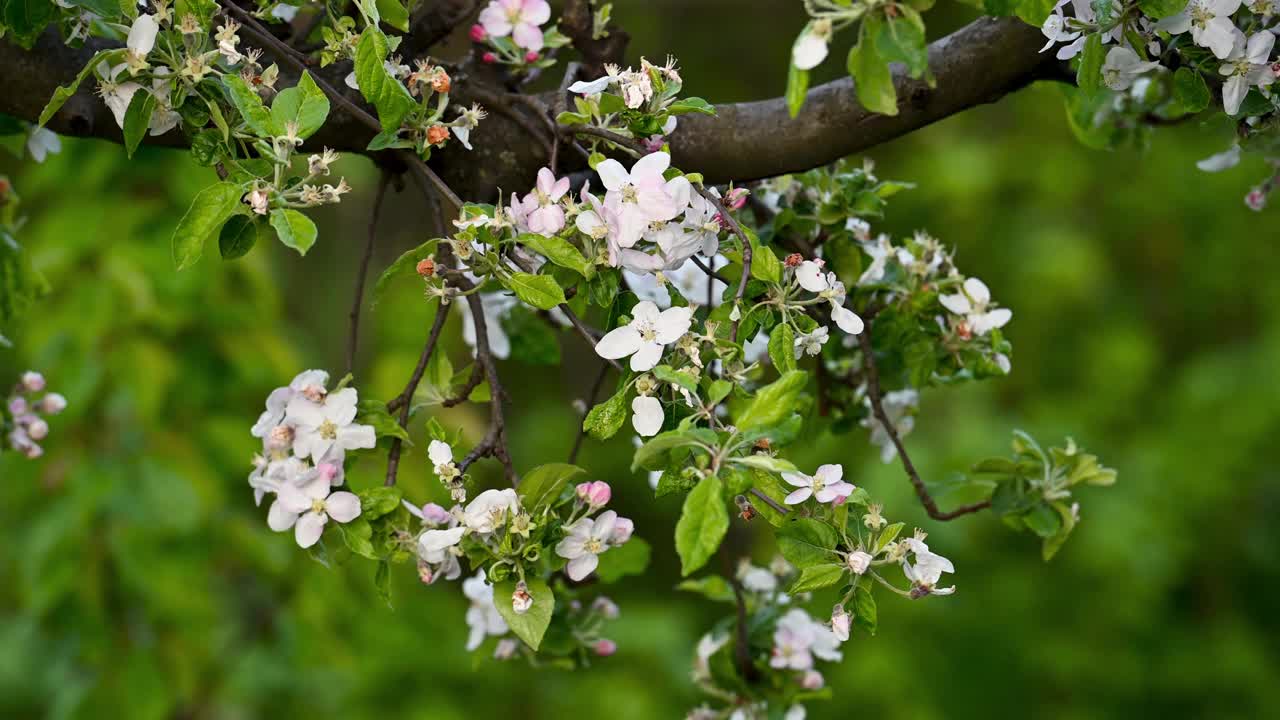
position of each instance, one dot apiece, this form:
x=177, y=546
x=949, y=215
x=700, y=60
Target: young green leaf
x=249, y=103
x=239, y=235
x=806, y=542
x=782, y=342
x=864, y=610
x=816, y=577
x=64, y=92
x=606, y=419
x=295, y=229
x=137, y=120
x=870, y=72
x=209, y=209
x=797, y=87
x=304, y=104
x=540, y=291
x=543, y=484
x=559, y=251
x=703, y=522
x=630, y=559
x=773, y=403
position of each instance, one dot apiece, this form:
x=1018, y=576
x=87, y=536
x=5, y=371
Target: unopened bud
x=38, y=429
x=607, y=608
x=52, y=404
x=488, y=58
x=605, y=647
x=478, y=33
x=858, y=561
x=840, y=623
x=32, y=381
x=736, y=198
x=812, y=680
x=531, y=56
x=521, y=600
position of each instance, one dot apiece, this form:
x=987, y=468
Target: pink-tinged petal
x=495, y=22
x=657, y=205
x=588, y=222
x=650, y=168
x=797, y=479
x=829, y=473
x=612, y=174
x=546, y=179
x=309, y=529
x=798, y=496
x=619, y=343
x=547, y=220
x=292, y=499
x=302, y=411
x=527, y=36
x=603, y=527
x=280, y=518
x=632, y=222
x=582, y=566
x=647, y=357
x=535, y=11
x=559, y=189
x=342, y=506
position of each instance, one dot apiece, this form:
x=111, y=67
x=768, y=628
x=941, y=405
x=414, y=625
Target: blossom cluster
x=27, y=406
x=306, y=432
x=511, y=33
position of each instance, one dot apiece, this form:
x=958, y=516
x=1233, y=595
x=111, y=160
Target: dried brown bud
x=437, y=134
x=763, y=444
x=440, y=82
x=426, y=267
x=794, y=260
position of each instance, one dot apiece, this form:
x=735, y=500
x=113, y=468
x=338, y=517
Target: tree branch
x=353, y=334
x=877, y=408
x=404, y=400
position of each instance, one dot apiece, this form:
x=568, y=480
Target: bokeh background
x=138, y=580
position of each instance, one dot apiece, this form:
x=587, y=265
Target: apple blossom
x=518, y=18
x=595, y=494
x=899, y=406
x=327, y=426
x=973, y=302
x=42, y=142
x=810, y=48
x=587, y=539
x=825, y=485
x=645, y=336
x=1209, y=22
x=858, y=561
x=541, y=207
x=646, y=415
x=307, y=507
x=638, y=197
x=1247, y=65
x=1123, y=66
x=490, y=510
x=482, y=617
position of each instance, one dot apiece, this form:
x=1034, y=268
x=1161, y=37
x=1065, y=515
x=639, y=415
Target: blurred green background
x=138, y=580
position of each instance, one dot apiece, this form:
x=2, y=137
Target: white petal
x=647, y=357
x=619, y=343
x=958, y=303
x=142, y=36
x=645, y=313
x=847, y=319
x=582, y=566
x=440, y=453
x=613, y=174
x=673, y=323
x=798, y=496
x=649, y=167
x=591, y=88
x=309, y=529
x=811, y=277
x=647, y=415
x=977, y=291
x=342, y=506
x=279, y=518
x=809, y=51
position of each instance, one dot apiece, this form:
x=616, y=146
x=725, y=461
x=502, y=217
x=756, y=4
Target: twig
x=494, y=443
x=770, y=501
x=746, y=252
x=873, y=395
x=631, y=145
x=711, y=272
x=403, y=401
x=473, y=381
x=741, y=648
x=353, y=335
x=591, y=401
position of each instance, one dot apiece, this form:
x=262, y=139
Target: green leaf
x=864, y=610
x=379, y=88
x=764, y=462
x=606, y=419
x=137, y=120
x=888, y=535
x=1160, y=9
x=678, y=378
x=703, y=523
x=782, y=343
x=691, y=104
x=382, y=581
x=712, y=587
x=773, y=403
x=407, y=262
x=249, y=103
x=1190, y=89
x=630, y=559
x=797, y=87
x=294, y=229
x=540, y=291
x=64, y=92
x=394, y=13
x=870, y=72
x=1089, y=75
x=209, y=209
x=378, y=501
x=542, y=485
x=304, y=104
x=27, y=19
x=816, y=577
x=1043, y=520
x=374, y=412
x=559, y=251
x=356, y=534
x=652, y=455
x=532, y=625
x=806, y=542
x=902, y=40
x=239, y=235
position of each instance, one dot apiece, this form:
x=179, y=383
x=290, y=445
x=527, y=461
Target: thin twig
x=746, y=252
x=404, y=400
x=494, y=443
x=873, y=395
x=353, y=334
x=741, y=648
x=591, y=401
x=770, y=501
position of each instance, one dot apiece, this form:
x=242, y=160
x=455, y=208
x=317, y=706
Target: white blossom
x=640, y=196
x=928, y=567
x=587, y=539
x=43, y=142
x=1209, y=22
x=327, y=426
x=646, y=415
x=898, y=406
x=1247, y=65
x=307, y=507
x=810, y=48
x=973, y=303
x=482, y=617
x=646, y=335
x=1123, y=66
x=490, y=510
x=825, y=485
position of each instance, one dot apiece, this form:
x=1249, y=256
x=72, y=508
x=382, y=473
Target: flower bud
x=488, y=58
x=281, y=436
x=595, y=493
x=622, y=529
x=858, y=561
x=426, y=267
x=52, y=404
x=478, y=33
x=329, y=471
x=17, y=405
x=425, y=573
x=653, y=143
x=607, y=608
x=812, y=680
x=38, y=429
x=736, y=198
x=839, y=623
x=32, y=381
x=505, y=650
x=605, y=647
x=437, y=134
x=434, y=513
x=793, y=260
x=531, y=56
x=521, y=600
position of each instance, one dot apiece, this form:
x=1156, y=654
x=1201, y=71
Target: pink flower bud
x=654, y=143
x=531, y=56
x=736, y=198
x=33, y=451
x=52, y=404
x=605, y=647
x=329, y=471
x=812, y=680
x=521, y=600
x=32, y=381
x=607, y=608
x=489, y=58
x=38, y=429
x=581, y=490
x=622, y=529
x=425, y=573
x=598, y=494
x=478, y=33
x=433, y=513
x=1256, y=199
x=17, y=405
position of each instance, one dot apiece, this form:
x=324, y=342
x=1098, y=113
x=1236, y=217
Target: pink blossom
x=32, y=381
x=478, y=33
x=541, y=207
x=605, y=647
x=518, y=18
x=622, y=530
x=596, y=493
x=531, y=56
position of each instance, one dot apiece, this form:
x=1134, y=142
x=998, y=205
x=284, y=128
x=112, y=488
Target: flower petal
x=646, y=415
x=619, y=343
x=342, y=506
